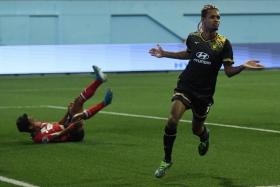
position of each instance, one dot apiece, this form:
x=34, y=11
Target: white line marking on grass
x=16, y=182
x=148, y=117
x=19, y=107
x=186, y=121
x=269, y=186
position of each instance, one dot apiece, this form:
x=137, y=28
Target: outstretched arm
x=159, y=52
x=231, y=71
x=251, y=64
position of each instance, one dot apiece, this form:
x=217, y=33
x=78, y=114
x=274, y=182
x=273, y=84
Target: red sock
x=94, y=109
x=90, y=90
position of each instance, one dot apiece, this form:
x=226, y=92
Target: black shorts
x=200, y=105
x=76, y=135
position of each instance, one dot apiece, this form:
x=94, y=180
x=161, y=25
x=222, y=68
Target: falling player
x=70, y=127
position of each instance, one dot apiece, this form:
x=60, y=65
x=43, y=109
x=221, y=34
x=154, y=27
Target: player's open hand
x=157, y=52
x=253, y=64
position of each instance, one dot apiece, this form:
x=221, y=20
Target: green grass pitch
x=125, y=151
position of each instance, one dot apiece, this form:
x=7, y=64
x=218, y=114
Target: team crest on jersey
x=218, y=43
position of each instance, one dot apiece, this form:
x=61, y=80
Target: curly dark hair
x=23, y=123
x=204, y=12
x=205, y=9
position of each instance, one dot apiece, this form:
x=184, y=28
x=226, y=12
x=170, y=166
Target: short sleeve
x=227, y=54
x=188, y=44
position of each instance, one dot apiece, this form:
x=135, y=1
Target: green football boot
x=160, y=172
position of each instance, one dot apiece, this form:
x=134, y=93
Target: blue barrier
x=113, y=58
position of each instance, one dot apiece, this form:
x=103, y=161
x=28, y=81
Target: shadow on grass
x=179, y=180
x=227, y=182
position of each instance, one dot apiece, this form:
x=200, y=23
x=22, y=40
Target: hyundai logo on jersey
x=202, y=58
x=202, y=55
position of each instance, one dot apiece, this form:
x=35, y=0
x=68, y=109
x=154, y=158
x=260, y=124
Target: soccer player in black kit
x=206, y=51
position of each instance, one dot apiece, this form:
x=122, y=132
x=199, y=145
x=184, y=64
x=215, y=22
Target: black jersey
x=205, y=62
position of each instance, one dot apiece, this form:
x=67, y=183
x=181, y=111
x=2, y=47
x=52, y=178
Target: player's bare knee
x=77, y=106
x=171, y=126
x=78, y=101
x=172, y=120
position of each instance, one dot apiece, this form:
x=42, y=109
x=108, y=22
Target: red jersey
x=44, y=135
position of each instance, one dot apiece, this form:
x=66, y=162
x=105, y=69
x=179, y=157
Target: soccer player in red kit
x=70, y=127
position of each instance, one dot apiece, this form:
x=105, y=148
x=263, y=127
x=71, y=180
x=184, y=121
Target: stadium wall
x=33, y=22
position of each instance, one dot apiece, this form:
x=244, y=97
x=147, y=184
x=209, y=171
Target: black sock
x=168, y=141
x=204, y=135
